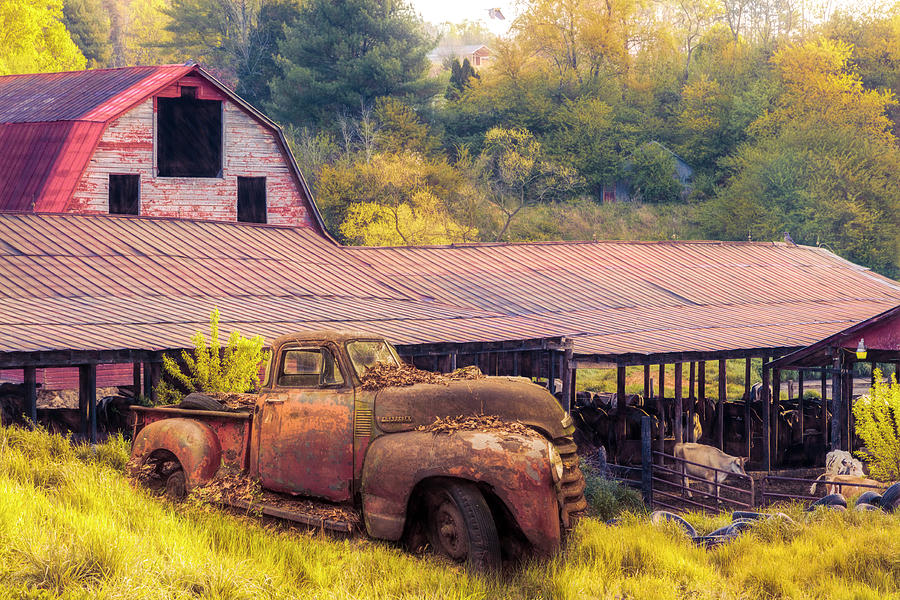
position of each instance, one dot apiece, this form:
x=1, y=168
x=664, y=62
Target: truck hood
x=511, y=398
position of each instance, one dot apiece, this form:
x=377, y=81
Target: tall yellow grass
x=72, y=526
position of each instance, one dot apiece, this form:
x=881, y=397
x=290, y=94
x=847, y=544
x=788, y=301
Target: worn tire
x=829, y=501
x=890, y=499
x=873, y=498
x=460, y=526
x=864, y=507
x=197, y=401
x=176, y=486
x=658, y=516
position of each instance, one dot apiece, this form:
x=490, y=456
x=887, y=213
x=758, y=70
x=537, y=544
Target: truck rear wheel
x=460, y=526
x=176, y=486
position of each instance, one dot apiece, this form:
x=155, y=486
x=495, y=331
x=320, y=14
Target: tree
x=342, y=54
x=516, y=175
x=653, y=176
x=821, y=164
x=420, y=220
x=33, y=38
x=460, y=74
x=89, y=26
x=145, y=37
x=212, y=369
x=586, y=137
x=398, y=195
x=401, y=129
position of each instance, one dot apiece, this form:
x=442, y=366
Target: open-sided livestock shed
x=79, y=291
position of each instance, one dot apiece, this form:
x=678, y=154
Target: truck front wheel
x=460, y=525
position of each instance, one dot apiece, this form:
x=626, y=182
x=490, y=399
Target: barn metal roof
x=51, y=123
x=70, y=282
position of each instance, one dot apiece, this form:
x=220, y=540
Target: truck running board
x=310, y=520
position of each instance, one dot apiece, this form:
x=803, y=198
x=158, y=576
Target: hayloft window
x=251, y=200
x=189, y=136
x=124, y=194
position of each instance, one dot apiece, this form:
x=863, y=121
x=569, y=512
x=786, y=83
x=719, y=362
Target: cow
x=710, y=458
x=848, y=485
x=841, y=462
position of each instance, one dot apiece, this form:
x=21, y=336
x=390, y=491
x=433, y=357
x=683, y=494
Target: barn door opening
x=124, y=194
x=251, y=201
x=189, y=138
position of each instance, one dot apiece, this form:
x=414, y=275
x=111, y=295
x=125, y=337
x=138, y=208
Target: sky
x=456, y=11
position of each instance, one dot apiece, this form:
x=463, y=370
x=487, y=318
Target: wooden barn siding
x=251, y=150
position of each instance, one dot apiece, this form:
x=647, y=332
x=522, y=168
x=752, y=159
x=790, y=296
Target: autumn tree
x=822, y=164
x=34, y=39
x=515, y=173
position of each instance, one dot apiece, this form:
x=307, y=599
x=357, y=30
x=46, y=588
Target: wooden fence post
x=646, y=462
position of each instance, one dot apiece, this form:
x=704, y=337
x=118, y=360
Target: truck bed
x=232, y=429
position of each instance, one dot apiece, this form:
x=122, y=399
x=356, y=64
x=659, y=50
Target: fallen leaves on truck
x=382, y=375
x=448, y=425
x=236, y=489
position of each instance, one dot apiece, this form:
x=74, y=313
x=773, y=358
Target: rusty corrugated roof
x=116, y=282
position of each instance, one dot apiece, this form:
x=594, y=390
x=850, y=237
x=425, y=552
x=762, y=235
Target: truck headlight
x=556, y=462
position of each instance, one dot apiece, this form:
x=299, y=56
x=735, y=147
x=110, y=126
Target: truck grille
x=572, y=492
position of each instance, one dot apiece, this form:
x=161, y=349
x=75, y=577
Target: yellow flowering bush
x=878, y=425
x=210, y=368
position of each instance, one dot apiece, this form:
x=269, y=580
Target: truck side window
x=309, y=368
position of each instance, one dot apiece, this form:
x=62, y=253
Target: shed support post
x=692, y=402
x=647, y=391
x=574, y=398
x=551, y=373
x=748, y=432
x=620, y=409
x=825, y=409
x=720, y=406
x=515, y=359
x=136, y=379
x=568, y=398
x=836, y=389
x=766, y=416
x=800, y=401
x=701, y=389
x=661, y=410
x=679, y=407
x=30, y=381
x=87, y=400
x=776, y=412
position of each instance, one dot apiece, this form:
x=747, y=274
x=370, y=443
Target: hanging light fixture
x=861, y=351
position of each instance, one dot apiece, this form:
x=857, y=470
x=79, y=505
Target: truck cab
x=315, y=431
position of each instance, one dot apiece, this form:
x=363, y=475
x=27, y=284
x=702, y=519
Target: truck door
x=306, y=426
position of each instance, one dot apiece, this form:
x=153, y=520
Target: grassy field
x=72, y=526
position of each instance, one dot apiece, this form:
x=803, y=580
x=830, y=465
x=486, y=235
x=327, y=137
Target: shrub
x=878, y=425
x=608, y=498
x=210, y=368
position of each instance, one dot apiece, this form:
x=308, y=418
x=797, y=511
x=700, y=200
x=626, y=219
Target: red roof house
x=163, y=141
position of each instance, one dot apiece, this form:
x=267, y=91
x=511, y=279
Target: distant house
x=478, y=54
x=622, y=190
x=161, y=141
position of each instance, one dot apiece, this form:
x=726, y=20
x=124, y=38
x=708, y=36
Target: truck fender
x=515, y=467
x=194, y=444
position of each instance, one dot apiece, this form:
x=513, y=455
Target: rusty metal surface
x=515, y=467
x=194, y=443
x=107, y=283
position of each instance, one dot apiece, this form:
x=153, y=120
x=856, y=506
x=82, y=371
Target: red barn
x=162, y=141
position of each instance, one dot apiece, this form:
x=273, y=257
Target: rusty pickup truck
x=478, y=496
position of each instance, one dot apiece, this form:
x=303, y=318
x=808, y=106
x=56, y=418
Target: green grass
x=72, y=526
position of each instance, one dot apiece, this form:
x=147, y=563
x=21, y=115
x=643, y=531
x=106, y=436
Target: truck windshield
x=365, y=353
